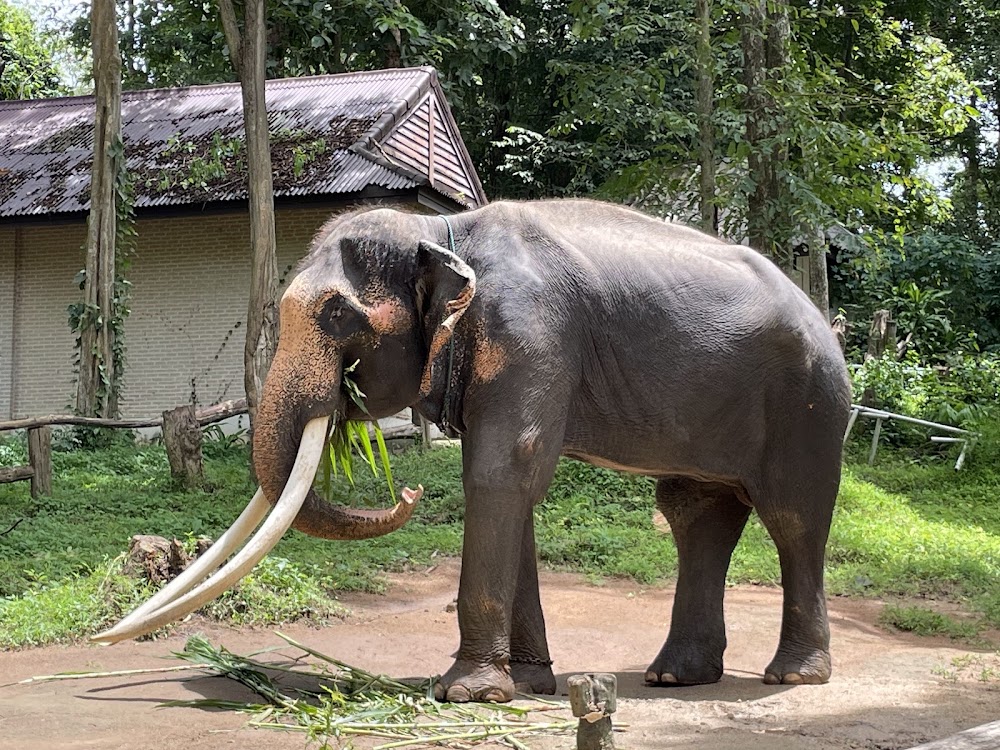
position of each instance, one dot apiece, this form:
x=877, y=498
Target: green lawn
x=902, y=527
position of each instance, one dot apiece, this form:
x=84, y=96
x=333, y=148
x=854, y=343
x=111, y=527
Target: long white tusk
x=213, y=557
x=285, y=510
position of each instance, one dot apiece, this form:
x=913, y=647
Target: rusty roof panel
x=184, y=145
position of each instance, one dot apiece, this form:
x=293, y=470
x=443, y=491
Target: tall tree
x=706, y=132
x=248, y=52
x=98, y=382
x=764, y=36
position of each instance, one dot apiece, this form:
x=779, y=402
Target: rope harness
x=444, y=420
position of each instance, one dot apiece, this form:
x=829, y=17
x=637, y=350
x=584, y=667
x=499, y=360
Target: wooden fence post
x=40, y=458
x=182, y=439
x=593, y=698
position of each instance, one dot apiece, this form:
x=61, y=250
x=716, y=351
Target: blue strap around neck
x=444, y=421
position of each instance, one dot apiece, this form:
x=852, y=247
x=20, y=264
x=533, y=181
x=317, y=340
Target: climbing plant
x=83, y=315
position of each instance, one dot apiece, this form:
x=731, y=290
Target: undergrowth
x=908, y=526
x=924, y=621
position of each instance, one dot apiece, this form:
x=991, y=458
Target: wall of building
x=48, y=256
x=7, y=236
x=190, y=280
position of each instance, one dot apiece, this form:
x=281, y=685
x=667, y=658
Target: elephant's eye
x=339, y=318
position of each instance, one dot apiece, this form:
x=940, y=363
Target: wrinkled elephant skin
x=580, y=329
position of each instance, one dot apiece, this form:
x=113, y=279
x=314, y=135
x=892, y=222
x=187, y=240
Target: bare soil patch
x=887, y=691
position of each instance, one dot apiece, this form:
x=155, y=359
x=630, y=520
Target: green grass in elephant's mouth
x=350, y=437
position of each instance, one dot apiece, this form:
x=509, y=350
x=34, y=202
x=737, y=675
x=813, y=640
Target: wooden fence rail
x=39, y=467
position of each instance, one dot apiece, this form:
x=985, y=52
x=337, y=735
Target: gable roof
x=332, y=134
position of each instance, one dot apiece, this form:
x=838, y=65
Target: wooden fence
x=39, y=466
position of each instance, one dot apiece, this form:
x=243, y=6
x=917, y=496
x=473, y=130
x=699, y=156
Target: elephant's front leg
x=504, y=475
x=530, y=665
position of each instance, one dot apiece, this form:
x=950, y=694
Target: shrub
x=962, y=393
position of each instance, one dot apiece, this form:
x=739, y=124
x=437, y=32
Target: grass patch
x=909, y=526
x=923, y=621
x=275, y=593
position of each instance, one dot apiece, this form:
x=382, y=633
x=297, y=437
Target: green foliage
x=199, y=165
x=963, y=393
x=275, y=592
x=27, y=65
x=923, y=621
x=65, y=610
x=943, y=290
x=349, y=438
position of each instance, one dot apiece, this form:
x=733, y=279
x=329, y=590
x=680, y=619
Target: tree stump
x=182, y=439
x=881, y=339
x=593, y=698
x=840, y=331
x=40, y=458
x=881, y=336
x=155, y=559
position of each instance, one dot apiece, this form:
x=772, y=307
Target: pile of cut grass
x=327, y=699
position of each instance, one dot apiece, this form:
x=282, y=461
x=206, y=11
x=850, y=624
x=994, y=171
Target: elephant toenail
x=793, y=678
x=439, y=691
x=459, y=694
x=771, y=679
x=495, y=696
x=668, y=678
x=651, y=677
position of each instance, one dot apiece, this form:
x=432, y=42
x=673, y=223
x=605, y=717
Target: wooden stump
x=840, y=331
x=593, y=698
x=40, y=458
x=155, y=559
x=182, y=439
x=881, y=339
x=882, y=336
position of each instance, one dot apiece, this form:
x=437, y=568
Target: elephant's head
x=376, y=295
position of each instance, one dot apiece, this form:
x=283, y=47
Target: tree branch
x=231, y=28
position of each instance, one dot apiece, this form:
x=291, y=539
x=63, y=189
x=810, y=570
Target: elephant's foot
x=469, y=681
x=685, y=663
x=533, y=678
x=795, y=669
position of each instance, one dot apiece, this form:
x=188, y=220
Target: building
x=381, y=137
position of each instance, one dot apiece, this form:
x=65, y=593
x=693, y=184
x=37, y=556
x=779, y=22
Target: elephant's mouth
x=191, y=589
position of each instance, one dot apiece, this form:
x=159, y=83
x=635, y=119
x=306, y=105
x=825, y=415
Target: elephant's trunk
x=287, y=449
x=277, y=431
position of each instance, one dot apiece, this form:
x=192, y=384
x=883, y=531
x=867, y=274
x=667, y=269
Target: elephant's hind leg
x=800, y=532
x=706, y=520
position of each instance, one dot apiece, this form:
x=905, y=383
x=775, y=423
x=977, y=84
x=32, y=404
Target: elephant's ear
x=445, y=288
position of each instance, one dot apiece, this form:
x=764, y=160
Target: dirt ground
x=887, y=692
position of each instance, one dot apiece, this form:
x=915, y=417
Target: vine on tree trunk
x=83, y=315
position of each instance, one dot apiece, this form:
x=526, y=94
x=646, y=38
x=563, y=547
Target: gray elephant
x=563, y=328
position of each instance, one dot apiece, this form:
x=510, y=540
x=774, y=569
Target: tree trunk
x=819, y=282
x=97, y=383
x=703, y=106
x=40, y=458
x=764, y=32
x=249, y=56
x=881, y=336
x=182, y=440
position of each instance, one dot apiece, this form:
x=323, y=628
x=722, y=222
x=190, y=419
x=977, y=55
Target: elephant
x=576, y=328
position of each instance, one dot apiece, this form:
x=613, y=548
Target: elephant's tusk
x=213, y=557
x=277, y=523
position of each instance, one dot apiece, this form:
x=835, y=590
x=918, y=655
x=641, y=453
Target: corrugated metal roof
x=185, y=145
